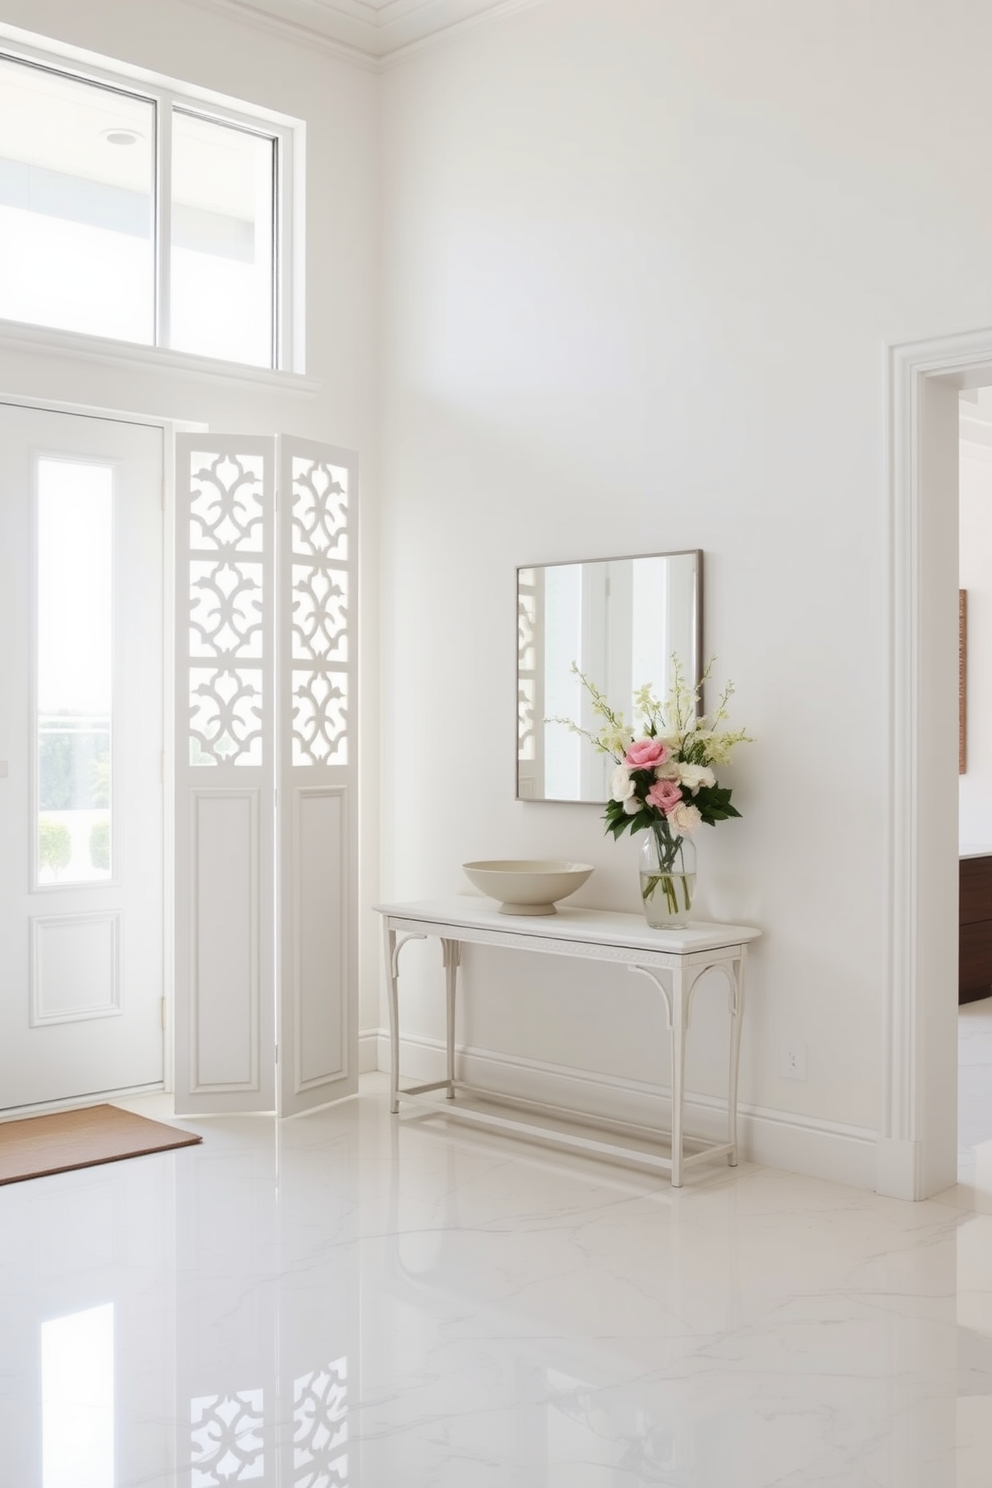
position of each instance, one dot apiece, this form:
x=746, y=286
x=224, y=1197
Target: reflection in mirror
x=620, y=620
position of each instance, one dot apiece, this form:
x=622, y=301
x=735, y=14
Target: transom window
x=132, y=212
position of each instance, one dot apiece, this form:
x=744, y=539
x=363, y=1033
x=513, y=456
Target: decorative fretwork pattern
x=226, y=513
x=226, y=1439
x=225, y=725
x=319, y=618
x=320, y=614
x=526, y=614
x=320, y=510
x=227, y=600
x=320, y=1439
x=225, y=617
x=528, y=682
x=320, y=718
x=526, y=736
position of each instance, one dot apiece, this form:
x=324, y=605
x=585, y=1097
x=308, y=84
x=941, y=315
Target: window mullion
x=275, y=227
x=163, y=221
x=289, y=240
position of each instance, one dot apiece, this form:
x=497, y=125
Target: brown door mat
x=38, y=1145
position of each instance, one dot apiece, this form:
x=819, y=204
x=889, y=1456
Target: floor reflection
x=352, y=1301
x=77, y=1399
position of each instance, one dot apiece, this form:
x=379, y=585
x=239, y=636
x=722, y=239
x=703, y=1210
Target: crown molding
x=440, y=37
x=374, y=37
x=294, y=32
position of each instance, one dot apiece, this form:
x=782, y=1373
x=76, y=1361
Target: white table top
x=971, y=850
x=592, y=926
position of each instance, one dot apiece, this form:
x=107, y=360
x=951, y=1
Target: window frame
x=166, y=96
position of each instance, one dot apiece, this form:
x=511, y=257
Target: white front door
x=81, y=737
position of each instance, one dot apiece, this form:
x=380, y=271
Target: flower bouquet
x=664, y=782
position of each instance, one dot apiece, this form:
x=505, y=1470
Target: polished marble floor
x=974, y=1085
x=351, y=1301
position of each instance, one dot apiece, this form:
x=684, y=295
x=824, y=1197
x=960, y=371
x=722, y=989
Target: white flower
x=622, y=787
x=693, y=776
x=685, y=819
x=669, y=770
x=632, y=805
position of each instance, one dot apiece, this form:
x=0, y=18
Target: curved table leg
x=450, y=950
x=393, y=946
x=737, y=985
x=676, y=1009
x=678, y=1071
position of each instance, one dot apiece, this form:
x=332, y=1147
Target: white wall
x=641, y=260
x=338, y=103
x=975, y=786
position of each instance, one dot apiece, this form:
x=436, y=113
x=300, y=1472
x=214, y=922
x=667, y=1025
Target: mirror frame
x=696, y=553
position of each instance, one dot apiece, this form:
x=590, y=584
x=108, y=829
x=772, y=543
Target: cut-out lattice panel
x=315, y=536
x=228, y=595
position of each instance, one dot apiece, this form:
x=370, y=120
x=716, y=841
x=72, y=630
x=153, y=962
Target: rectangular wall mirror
x=620, y=620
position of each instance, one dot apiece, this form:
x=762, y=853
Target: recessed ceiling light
x=120, y=136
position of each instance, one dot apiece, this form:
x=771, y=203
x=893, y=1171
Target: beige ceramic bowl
x=528, y=886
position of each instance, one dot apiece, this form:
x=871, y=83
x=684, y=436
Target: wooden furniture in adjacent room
x=975, y=924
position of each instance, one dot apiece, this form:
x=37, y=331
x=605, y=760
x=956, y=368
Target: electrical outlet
x=793, y=1061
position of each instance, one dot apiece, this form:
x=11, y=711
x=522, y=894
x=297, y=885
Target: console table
x=674, y=960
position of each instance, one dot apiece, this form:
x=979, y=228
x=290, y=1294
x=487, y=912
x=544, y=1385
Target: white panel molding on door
x=75, y=967
x=226, y=991
x=317, y=818
x=225, y=774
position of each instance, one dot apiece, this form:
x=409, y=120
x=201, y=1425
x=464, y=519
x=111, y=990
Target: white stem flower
x=685, y=819
x=693, y=776
x=621, y=787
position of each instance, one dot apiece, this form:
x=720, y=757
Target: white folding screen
x=317, y=822
x=265, y=830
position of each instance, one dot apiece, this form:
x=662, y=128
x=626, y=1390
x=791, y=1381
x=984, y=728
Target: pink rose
x=644, y=754
x=665, y=795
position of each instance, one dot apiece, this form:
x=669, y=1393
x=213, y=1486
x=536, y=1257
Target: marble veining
x=350, y=1300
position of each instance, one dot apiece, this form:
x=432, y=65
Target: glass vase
x=668, y=877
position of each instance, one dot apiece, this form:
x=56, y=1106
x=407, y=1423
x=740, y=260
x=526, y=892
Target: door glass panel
x=74, y=671
x=223, y=201
x=77, y=1399
x=76, y=174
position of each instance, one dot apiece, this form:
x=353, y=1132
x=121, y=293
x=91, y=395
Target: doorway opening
x=917, y=1151
x=975, y=791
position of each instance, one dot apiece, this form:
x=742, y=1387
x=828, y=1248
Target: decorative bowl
x=528, y=886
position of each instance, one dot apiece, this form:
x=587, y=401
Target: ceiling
x=374, y=30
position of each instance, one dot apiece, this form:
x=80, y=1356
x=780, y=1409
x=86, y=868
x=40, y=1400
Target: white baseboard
x=368, y=1050
x=798, y=1144
x=78, y=1102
